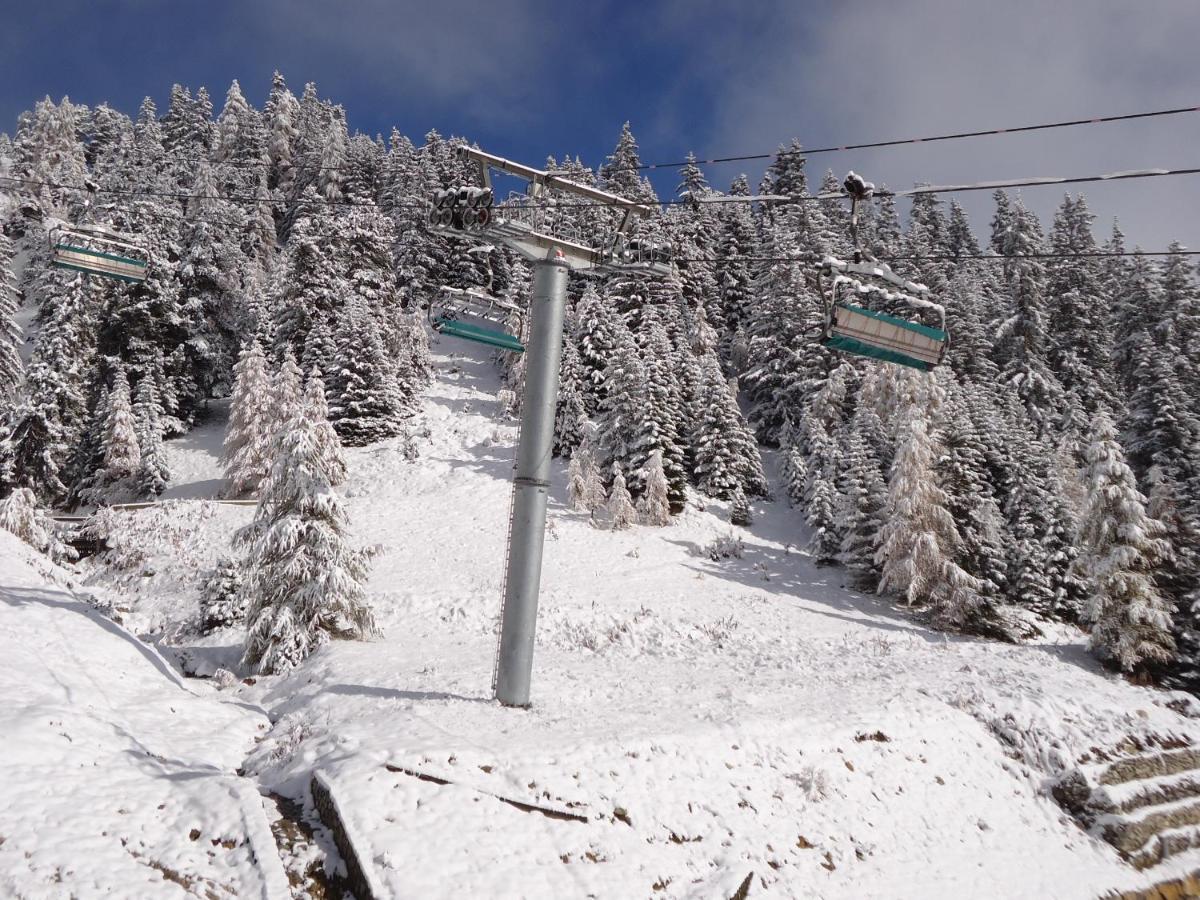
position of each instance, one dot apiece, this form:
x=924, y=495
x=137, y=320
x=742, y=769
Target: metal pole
x=532, y=482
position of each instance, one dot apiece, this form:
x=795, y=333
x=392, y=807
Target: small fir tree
x=619, y=507
x=739, y=510
x=654, y=506
x=222, y=600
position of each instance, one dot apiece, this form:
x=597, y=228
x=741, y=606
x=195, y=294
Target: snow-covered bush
x=19, y=514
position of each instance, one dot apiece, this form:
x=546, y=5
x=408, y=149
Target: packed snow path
x=708, y=718
x=118, y=777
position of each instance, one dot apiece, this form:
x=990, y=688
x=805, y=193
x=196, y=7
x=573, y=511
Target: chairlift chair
x=856, y=296
x=476, y=316
x=864, y=299
x=96, y=250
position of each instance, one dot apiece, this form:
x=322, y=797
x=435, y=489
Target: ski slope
x=707, y=720
x=119, y=776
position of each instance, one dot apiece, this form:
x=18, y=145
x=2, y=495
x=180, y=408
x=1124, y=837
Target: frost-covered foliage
x=304, y=583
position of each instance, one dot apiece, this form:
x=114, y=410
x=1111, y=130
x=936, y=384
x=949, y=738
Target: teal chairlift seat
x=862, y=300
x=97, y=251
x=479, y=317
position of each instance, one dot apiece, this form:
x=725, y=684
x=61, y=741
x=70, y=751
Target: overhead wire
x=930, y=139
x=778, y=201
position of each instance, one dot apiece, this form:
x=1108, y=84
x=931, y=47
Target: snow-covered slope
x=118, y=776
x=708, y=718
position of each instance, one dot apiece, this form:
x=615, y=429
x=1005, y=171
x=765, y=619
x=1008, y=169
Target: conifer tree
x=620, y=510
x=570, y=413
x=10, y=335
x=305, y=584
x=862, y=493
x=329, y=447
x=576, y=485
x=122, y=455
x=739, y=510
x=252, y=423
x=287, y=391
x=596, y=335
x=49, y=414
x=222, y=598
x=626, y=427
x=1022, y=343
x=366, y=403
x=147, y=415
x=1121, y=545
x=919, y=541
x=654, y=507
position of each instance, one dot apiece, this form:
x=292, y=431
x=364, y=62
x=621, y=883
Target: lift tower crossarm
x=546, y=179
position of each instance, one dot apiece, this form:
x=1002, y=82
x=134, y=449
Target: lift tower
x=521, y=223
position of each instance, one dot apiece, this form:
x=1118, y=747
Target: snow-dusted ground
x=709, y=719
x=118, y=775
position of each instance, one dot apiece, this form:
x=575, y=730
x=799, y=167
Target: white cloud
x=873, y=69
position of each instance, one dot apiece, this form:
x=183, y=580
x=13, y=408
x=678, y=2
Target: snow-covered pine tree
x=287, y=391
x=252, y=423
x=619, y=507
x=122, y=460
x=570, y=413
x=1121, y=546
x=10, y=335
x=654, y=506
x=626, y=427
x=621, y=173
x=725, y=452
x=739, y=510
x=281, y=115
x=328, y=445
x=1078, y=320
x=222, y=599
x=738, y=242
x=49, y=414
x=919, y=540
x=147, y=415
x=862, y=493
x=1022, y=344
x=597, y=332
x=962, y=471
x=576, y=485
x=304, y=582
x=366, y=403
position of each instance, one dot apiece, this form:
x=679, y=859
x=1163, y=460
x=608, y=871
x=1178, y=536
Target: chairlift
x=479, y=317
x=871, y=311
x=96, y=250
x=641, y=253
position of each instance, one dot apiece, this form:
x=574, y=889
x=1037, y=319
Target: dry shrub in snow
x=727, y=546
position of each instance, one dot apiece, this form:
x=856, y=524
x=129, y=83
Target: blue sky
x=527, y=78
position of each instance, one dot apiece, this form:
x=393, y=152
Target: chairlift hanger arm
x=546, y=179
